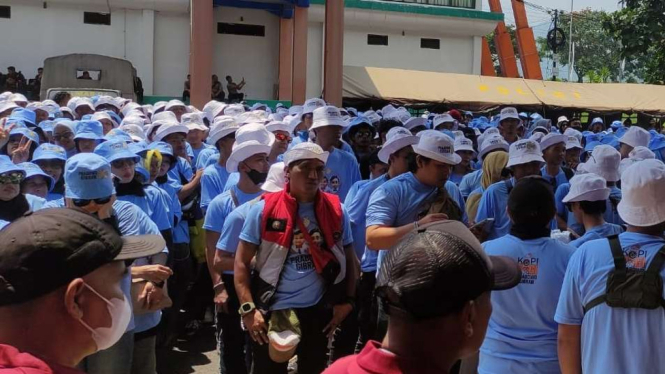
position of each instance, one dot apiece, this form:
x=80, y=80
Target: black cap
x=436, y=269
x=45, y=250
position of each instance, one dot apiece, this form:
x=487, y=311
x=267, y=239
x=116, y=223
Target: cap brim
x=138, y=246
x=507, y=273
x=525, y=159
x=453, y=159
x=394, y=146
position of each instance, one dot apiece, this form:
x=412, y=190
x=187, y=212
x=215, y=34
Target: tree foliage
x=495, y=52
x=640, y=29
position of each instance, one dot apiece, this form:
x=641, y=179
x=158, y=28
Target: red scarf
x=280, y=220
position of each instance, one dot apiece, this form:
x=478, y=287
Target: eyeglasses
x=85, y=202
x=65, y=136
x=283, y=138
x=118, y=164
x=11, y=178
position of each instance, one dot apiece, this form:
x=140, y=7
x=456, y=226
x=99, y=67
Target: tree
x=495, y=53
x=596, y=53
x=640, y=29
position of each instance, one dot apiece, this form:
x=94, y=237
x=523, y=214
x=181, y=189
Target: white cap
x=373, y=117
x=587, y=187
x=401, y=114
x=193, y=121
x=295, y=110
x=234, y=110
x=537, y=136
x=305, y=151
x=572, y=132
x=493, y=143
x=276, y=178
x=174, y=103
x=164, y=116
x=524, y=151
x=134, y=131
x=414, y=122
x=222, y=127
x=64, y=109
x=487, y=134
x=212, y=109
x=167, y=128
x=251, y=139
x=572, y=142
x=562, y=119
x=103, y=115
x=133, y=120
x=293, y=121
x=129, y=107
x=638, y=154
x=7, y=105
x=277, y=116
x=311, y=105
x=442, y=118
x=437, y=146
x=5, y=95
x=552, y=139
x=509, y=112
x=84, y=101
x=642, y=185
x=636, y=136
x=104, y=100
x=387, y=110
x=604, y=161
x=464, y=144
x=279, y=126
x=396, y=139
x=19, y=98
x=327, y=116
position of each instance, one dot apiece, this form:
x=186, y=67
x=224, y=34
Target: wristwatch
x=246, y=308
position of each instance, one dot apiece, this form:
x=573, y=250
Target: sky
x=537, y=17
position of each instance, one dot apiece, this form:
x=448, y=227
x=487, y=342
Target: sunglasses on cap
x=67, y=135
x=11, y=178
x=85, y=202
x=283, y=138
x=122, y=163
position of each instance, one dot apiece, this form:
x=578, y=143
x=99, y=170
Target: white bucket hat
x=279, y=126
x=130, y=107
x=587, y=187
x=251, y=139
x=572, y=132
x=562, y=119
x=638, y=154
x=305, y=151
x=193, y=121
x=396, y=139
x=134, y=131
x=487, y=134
x=524, y=151
x=167, y=128
x=604, y=161
x=84, y=101
x=103, y=115
x=414, y=122
x=295, y=110
x=537, y=136
x=551, y=139
x=464, y=144
x=161, y=116
x=327, y=116
x=20, y=98
x=443, y=118
x=104, y=100
x=572, y=142
x=311, y=105
x=234, y=110
x=509, y=112
x=221, y=128
x=276, y=178
x=641, y=186
x=492, y=144
x=635, y=137
x=174, y=103
x=437, y=146
x=212, y=109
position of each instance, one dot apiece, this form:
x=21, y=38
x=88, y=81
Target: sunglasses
x=283, y=138
x=85, y=202
x=67, y=135
x=118, y=164
x=11, y=178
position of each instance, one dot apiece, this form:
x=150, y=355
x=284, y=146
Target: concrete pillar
x=333, y=56
x=145, y=65
x=299, y=55
x=285, y=59
x=200, y=51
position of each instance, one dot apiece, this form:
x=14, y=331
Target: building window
x=92, y=18
x=241, y=29
x=430, y=43
x=5, y=12
x=377, y=39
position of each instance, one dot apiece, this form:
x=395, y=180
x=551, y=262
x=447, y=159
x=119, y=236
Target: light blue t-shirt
x=180, y=228
x=232, y=180
x=300, y=286
x=522, y=335
x=197, y=152
x=213, y=181
x=354, y=190
x=3, y=224
x=356, y=204
x=470, y=182
x=207, y=157
x=230, y=236
x=611, y=214
x=182, y=168
x=493, y=204
x=613, y=340
x=555, y=181
x=598, y=232
x=404, y=200
x=36, y=203
x=154, y=205
x=222, y=205
x=457, y=178
x=341, y=172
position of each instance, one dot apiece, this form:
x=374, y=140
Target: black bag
x=632, y=288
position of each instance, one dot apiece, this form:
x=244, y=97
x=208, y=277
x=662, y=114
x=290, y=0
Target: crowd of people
x=217, y=92
x=327, y=240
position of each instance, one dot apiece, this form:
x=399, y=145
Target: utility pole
x=570, y=44
x=555, y=69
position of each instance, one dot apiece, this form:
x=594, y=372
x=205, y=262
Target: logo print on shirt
x=529, y=266
x=300, y=257
x=330, y=183
x=636, y=257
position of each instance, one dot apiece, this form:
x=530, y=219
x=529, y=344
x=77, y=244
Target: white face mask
x=121, y=314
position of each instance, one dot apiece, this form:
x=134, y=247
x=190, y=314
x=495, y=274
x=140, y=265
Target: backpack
x=443, y=203
x=568, y=172
x=632, y=288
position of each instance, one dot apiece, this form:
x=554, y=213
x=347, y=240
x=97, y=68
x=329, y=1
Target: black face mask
x=256, y=176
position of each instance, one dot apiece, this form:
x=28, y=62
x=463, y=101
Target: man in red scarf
x=316, y=281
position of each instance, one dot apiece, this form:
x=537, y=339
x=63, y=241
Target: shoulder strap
x=236, y=203
x=619, y=269
x=657, y=262
x=568, y=172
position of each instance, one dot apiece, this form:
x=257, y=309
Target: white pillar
x=144, y=64
x=477, y=54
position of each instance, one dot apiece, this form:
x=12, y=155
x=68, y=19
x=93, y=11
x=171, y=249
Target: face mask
x=256, y=176
x=121, y=313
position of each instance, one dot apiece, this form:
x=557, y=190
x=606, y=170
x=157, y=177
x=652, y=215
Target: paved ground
x=195, y=354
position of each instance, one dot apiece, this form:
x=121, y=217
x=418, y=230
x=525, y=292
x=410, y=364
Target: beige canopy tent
x=486, y=93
